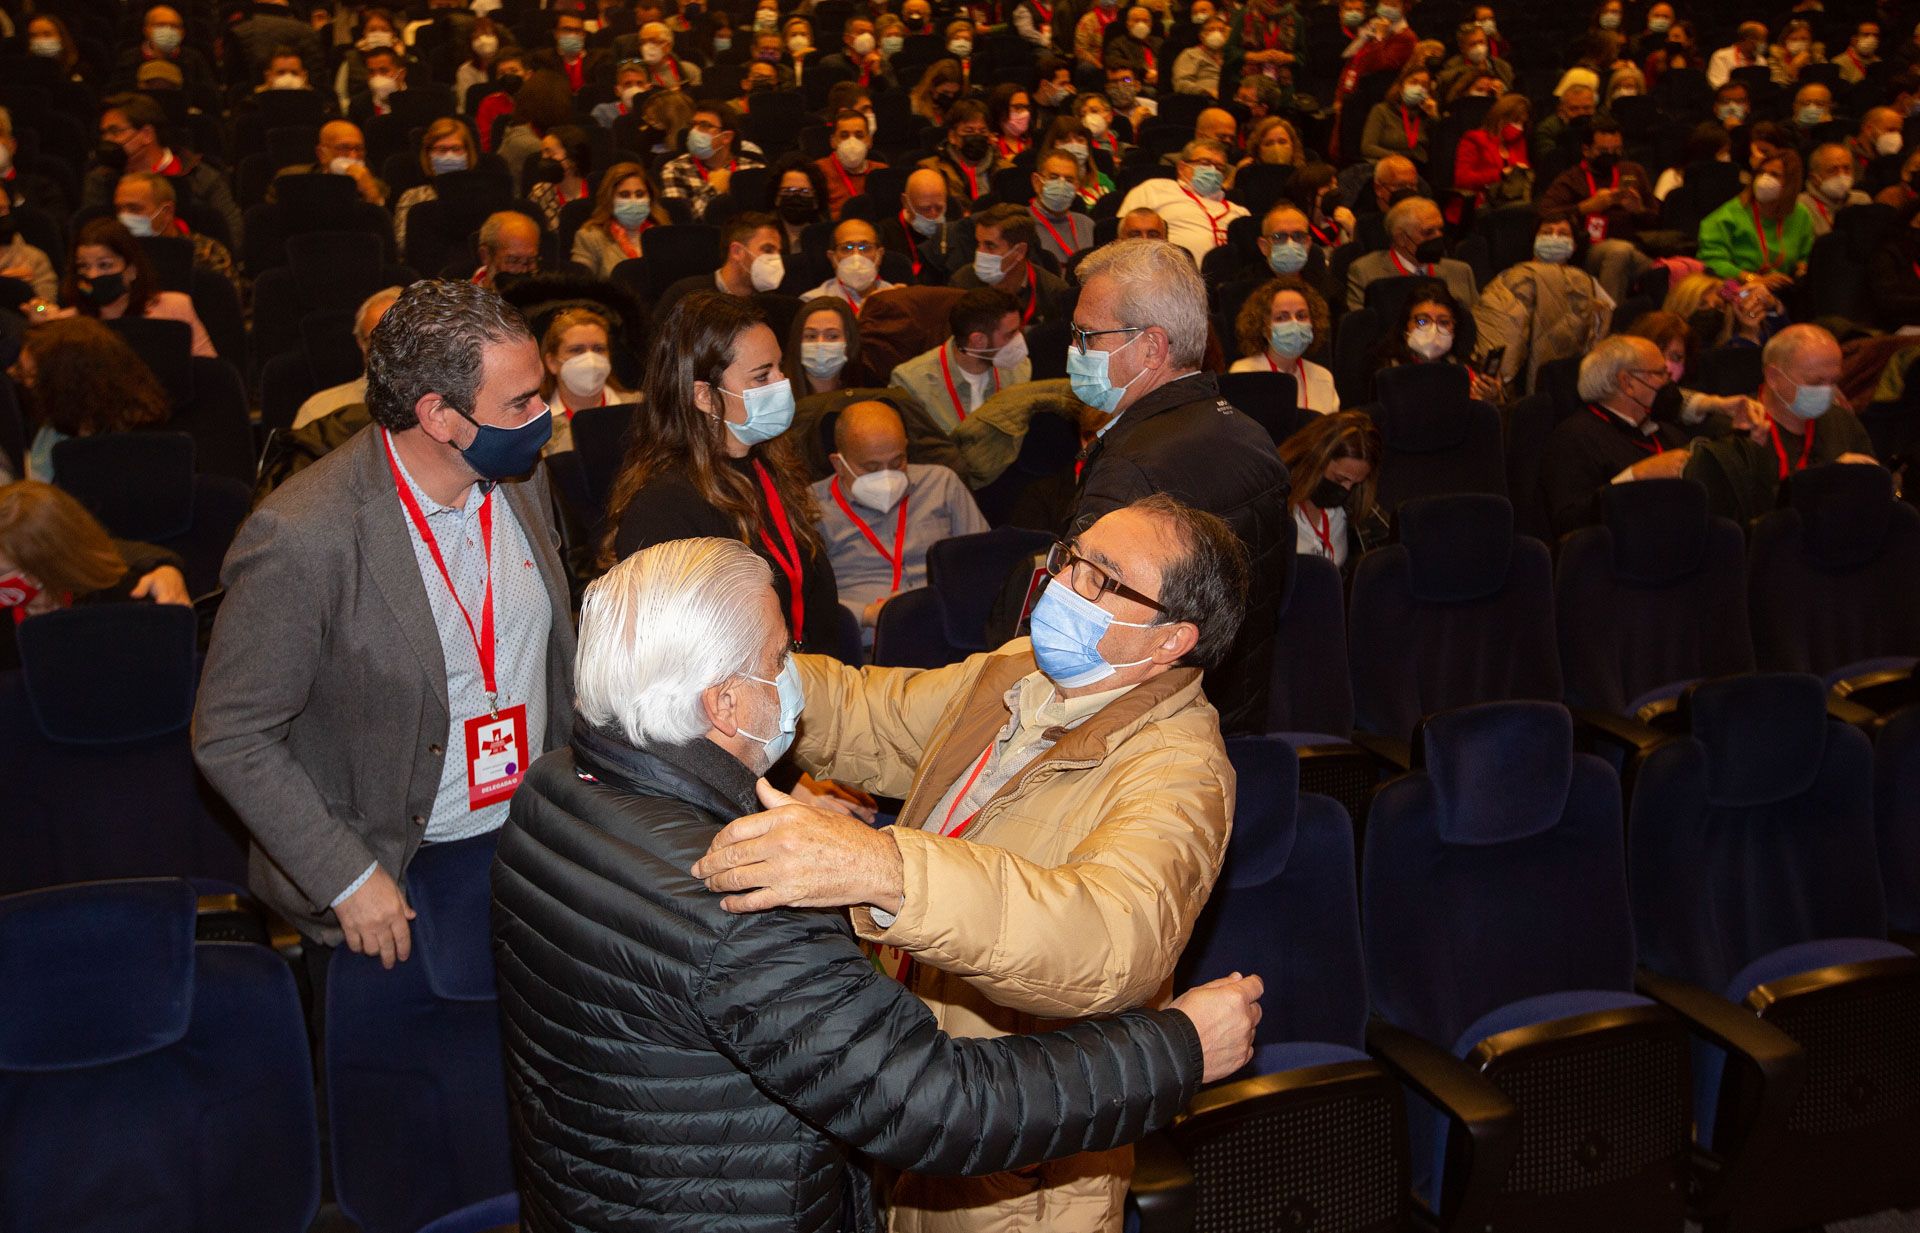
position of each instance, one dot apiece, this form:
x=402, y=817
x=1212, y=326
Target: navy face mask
x=504, y=453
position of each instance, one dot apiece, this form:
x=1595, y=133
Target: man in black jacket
x=672, y=1066
x=1140, y=335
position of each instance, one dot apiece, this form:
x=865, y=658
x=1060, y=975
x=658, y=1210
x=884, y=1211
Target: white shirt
x=1193, y=222
x=1720, y=65
x=1306, y=534
x=840, y=291
x=1314, y=383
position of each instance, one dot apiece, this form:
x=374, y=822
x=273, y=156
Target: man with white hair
x=1139, y=337
x=1625, y=432
x=347, y=393
x=668, y=1060
x=1416, y=246
x=1194, y=204
x=509, y=244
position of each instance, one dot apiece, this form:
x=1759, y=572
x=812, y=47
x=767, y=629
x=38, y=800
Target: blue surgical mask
x=1056, y=195
x=570, y=44
x=632, y=211
x=1287, y=257
x=699, y=143
x=1208, y=181
x=1811, y=116
x=1290, y=339
x=444, y=163
x=769, y=411
x=503, y=453
x=1067, y=628
x=1087, y=374
x=1553, y=249
x=1809, y=402
x=927, y=226
x=990, y=268
x=792, y=699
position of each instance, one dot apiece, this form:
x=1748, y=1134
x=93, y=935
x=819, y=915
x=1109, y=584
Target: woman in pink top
x=110, y=276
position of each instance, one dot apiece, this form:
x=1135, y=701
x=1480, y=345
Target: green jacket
x=1729, y=245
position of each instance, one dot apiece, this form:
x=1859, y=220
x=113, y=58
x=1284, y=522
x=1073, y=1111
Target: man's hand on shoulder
x=801, y=856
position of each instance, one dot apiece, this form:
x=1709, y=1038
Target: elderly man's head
x=1799, y=368
x=510, y=243
x=1415, y=229
x=368, y=315
x=870, y=454
x=1149, y=587
x=684, y=641
x=1624, y=374
x=1143, y=305
x=1216, y=124
x=1203, y=166
x=1392, y=176
x=1142, y=224
x=1576, y=103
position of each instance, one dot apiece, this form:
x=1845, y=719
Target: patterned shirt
x=685, y=177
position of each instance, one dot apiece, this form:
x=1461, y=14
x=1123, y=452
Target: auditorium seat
x=1498, y=928
x=1896, y=813
x=946, y=620
x=416, y=1080
x=1755, y=876
x=143, y=486
x=1436, y=438
x=1309, y=693
x=1313, y=1125
x=149, y=1082
x=1046, y=455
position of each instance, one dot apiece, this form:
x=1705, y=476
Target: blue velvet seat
x=1437, y=438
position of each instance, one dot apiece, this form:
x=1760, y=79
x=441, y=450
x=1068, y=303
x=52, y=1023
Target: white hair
x=1601, y=367
x=1403, y=214
x=1157, y=284
x=381, y=299
x=660, y=628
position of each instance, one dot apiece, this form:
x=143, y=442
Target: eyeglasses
x=1277, y=237
x=1425, y=320
x=1088, y=579
x=1081, y=337
x=855, y=246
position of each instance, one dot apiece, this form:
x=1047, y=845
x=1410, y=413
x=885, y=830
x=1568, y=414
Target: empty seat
x=149, y=1082
x=946, y=620
x=143, y=486
x=1436, y=438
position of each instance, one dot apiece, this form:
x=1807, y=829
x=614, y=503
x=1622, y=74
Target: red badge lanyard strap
x=947, y=828
x=1325, y=532
x=1826, y=215
x=1026, y=318
x=733, y=165
x=1393, y=255
x=1650, y=444
x=913, y=245
x=1066, y=249
x=852, y=297
x=1213, y=220
x=1760, y=230
x=897, y=558
x=1780, y=448
x=1410, y=128
x=953, y=391
x=483, y=639
x=847, y=179
x=789, y=561
x=973, y=185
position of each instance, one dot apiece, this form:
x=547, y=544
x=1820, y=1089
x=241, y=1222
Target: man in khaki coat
x=1068, y=801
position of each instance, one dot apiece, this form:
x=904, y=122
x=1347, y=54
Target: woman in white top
x=1335, y=466
x=579, y=372
x=1278, y=326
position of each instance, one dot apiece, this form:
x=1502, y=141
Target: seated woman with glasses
x=1426, y=332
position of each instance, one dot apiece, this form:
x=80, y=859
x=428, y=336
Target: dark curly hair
x=431, y=342
x=87, y=379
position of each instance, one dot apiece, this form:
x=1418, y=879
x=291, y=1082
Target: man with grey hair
x=1416, y=248
x=667, y=1059
x=325, y=402
x=394, y=644
x=1138, y=340
x=509, y=244
x=1625, y=432
x=1193, y=204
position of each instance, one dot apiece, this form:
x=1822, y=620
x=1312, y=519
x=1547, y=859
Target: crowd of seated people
x=1657, y=241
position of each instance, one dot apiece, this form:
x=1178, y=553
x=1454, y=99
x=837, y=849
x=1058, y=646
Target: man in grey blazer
x=395, y=645
x=1415, y=246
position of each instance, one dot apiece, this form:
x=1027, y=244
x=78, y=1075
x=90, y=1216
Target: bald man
x=880, y=513
x=341, y=150
x=920, y=226
x=509, y=249
x=855, y=253
x=1142, y=224
x=1217, y=124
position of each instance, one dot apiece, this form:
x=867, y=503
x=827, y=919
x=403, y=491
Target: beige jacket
x=1072, y=895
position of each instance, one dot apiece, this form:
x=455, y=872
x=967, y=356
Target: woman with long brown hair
x=709, y=455
x=623, y=214
x=1335, y=465
x=110, y=276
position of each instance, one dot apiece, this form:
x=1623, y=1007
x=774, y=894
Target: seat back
x=416, y=1081
x=1459, y=611
x=138, y=484
x=1284, y=906
x=1310, y=690
x=1437, y=440
x=967, y=574
x=1753, y=832
x=911, y=632
x=600, y=438
x=176, y=1070
x=1269, y=399
x=1830, y=574
x=1896, y=812
x=1653, y=596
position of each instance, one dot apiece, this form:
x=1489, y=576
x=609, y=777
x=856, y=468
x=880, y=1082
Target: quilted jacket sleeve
x=790, y=999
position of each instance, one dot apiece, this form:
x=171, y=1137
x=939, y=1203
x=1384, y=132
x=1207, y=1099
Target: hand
x=1344, y=218
x=1670, y=464
x=1859, y=459
x=826, y=794
x=375, y=918
x=165, y=585
x=870, y=615
x=1224, y=1012
x=800, y=856
x=1747, y=415
x=20, y=272
x=1484, y=387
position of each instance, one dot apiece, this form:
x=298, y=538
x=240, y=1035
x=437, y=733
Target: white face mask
x=383, y=86
x=1007, y=355
x=485, y=45
x=960, y=47
x=343, y=165
x=1766, y=189
x=856, y=271
x=1888, y=142
x=863, y=44
x=585, y=375
x=1836, y=187
x=880, y=490
x=1097, y=123
x=823, y=360
x=799, y=43
x=852, y=152
x=652, y=53
x=1139, y=30
x=769, y=271
x=1429, y=342
x=288, y=81
x=1213, y=40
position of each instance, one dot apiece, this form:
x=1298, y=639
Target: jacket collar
x=698, y=772
x=1176, y=393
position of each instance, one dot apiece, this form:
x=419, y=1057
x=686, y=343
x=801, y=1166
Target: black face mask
x=1329, y=493
x=797, y=207
x=105, y=289
x=510, y=82
x=973, y=148
x=110, y=155
x=1602, y=164
x=1665, y=406
x=759, y=87
x=1430, y=251
x=548, y=171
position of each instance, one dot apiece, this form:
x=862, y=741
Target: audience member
x=1334, y=464
x=347, y=393
x=1278, y=326
x=342, y=150
x=22, y=261
x=576, y=353
x=563, y=173
x=110, y=275
x=1765, y=232
x=855, y=254
x=623, y=214
x=985, y=353
x=1624, y=432
x=1005, y=240
x=1416, y=248
x=80, y=379
x=1193, y=205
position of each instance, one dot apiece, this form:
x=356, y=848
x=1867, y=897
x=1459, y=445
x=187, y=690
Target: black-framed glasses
x=1088, y=576
x=1082, y=337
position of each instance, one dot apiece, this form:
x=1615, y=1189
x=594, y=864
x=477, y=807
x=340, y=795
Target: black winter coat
x=1185, y=440
x=674, y=1067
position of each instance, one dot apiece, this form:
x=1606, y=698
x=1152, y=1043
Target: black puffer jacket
x=674, y=1067
x=1183, y=439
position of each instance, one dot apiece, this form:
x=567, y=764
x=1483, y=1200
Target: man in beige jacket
x=1068, y=802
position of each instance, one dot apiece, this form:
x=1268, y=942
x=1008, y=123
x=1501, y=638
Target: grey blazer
x=323, y=704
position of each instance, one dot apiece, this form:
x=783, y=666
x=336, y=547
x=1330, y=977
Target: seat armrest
x=1846, y=711
x=1395, y=756
x=1472, y=1103
x=1162, y=1187
x=1627, y=734
x=1882, y=691
x=1749, y=1040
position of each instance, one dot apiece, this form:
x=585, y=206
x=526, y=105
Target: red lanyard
x=847, y=179
x=1213, y=220
x=1760, y=230
x=1650, y=444
x=1858, y=66
x=1067, y=249
x=897, y=558
x=1326, y=241
x=973, y=185
x=620, y=234
x=789, y=562
x=1324, y=533
x=169, y=166
x=1019, y=144
x=947, y=828
x=1592, y=186
x=701, y=167
x=1026, y=318
x=1146, y=54
x=953, y=392
x=1826, y=215
x=1780, y=449
x=673, y=66
x=1410, y=126
x=1113, y=142
x=853, y=298
x=1394, y=256
x=483, y=639
x=913, y=245
x=1046, y=14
